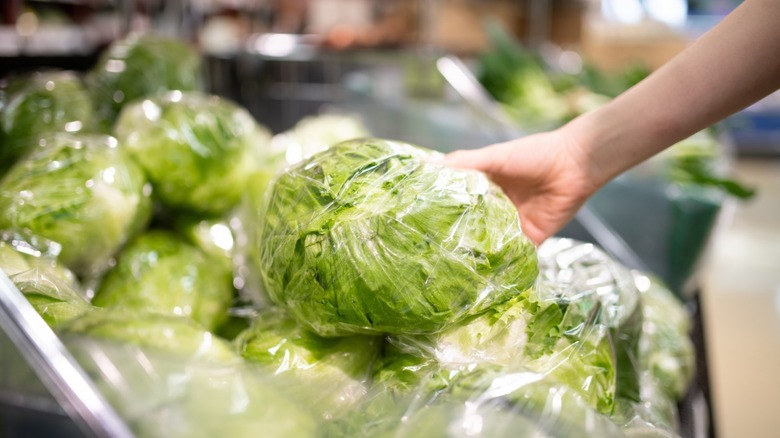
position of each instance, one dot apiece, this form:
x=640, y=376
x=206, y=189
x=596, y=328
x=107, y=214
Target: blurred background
x=403, y=68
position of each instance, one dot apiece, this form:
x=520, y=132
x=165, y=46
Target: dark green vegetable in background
x=35, y=105
x=81, y=191
x=137, y=66
x=369, y=236
x=160, y=272
x=198, y=150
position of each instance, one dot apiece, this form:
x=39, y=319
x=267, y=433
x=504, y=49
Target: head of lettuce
x=372, y=236
x=81, y=191
x=198, y=150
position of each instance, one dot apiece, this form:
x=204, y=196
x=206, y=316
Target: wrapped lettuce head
x=331, y=374
x=370, y=236
x=581, y=275
x=173, y=336
x=81, y=191
x=216, y=237
x=138, y=66
x=54, y=298
x=198, y=150
x=43, y=102
x=567, y=327
x=488, y=402
x=160, y=272
x=667, y=352
x=162, y=396
x=22, y=251
x=549, y=337
x=314, y=134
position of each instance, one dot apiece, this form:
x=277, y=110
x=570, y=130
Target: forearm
x=728, y=68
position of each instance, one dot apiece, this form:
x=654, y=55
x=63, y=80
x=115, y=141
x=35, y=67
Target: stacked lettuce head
x=81, y=191
x=32, y=106
x=199, y=151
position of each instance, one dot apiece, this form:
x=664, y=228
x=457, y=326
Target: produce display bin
x=44, y=391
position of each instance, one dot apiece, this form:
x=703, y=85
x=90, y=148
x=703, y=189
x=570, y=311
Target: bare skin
x=550, y=175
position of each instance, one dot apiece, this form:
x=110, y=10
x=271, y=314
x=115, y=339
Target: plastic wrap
x=563, y=327
x=138, y=66
x=370, y=236
x=53, y=298
x=214, y=236
x=188, y=395
x=159, y=271
x=30, y=262
x=327, y=375
x=40, y=103
x=198, y=150
x=22, y=251
x=314, y=134
x=176, y=337
x=666, y=363
x=499, y=373
x=487, y=402
x=80, y=191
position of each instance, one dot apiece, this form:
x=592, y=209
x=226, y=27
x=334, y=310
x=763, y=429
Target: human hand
x=545, y=175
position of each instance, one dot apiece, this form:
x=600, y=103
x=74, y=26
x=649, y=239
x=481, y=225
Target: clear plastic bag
x=40, y=103
x=371, y=236
x=138, y=66
x=81, y=191
x=328, y=376
x=22, y=251
x=158, y=271
x=198, y=150
x=159, y=394
x=565, y=327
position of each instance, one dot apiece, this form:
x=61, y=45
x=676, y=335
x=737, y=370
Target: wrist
x=586, y=141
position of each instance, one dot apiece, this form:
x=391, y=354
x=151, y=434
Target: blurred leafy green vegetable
x=41, y=103
x=173, y=336
x=198, y=150
x=332, y=374
x=137, y=66
x=160, y=272
x=80, y=191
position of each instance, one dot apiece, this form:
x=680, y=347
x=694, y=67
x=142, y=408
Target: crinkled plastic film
x=159, y=394
x=480, y=378
x=198, y=150
x=564, y=327
x=81, y=191
x=371, y=236
x=486, y=402
x=328, y=376
x=40, y=103
x=138, y=66
x=22, y=251
x=31, y=264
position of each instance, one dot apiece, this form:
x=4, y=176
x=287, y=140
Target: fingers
x=482, y=159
